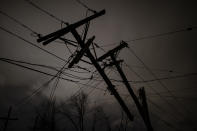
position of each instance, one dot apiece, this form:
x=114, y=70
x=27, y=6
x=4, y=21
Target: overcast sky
x=166, y=55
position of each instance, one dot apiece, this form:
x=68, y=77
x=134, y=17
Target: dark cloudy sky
x=167, y=55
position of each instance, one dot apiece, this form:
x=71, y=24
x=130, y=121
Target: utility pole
x=130, y=90
x=72, y=28
x=7, y=119
x=111, y=54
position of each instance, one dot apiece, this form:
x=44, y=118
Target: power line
x=54, y=17
x=90, y=82
x=57, y=81
x=95, y=86
x=46, y=66
x=87, y=84
x=85, y=6
x=38, y=35
x=136, y=39
x=164, y=78
x=42, y=72
x=18, y=22
x=98, y=83
x=46, y=12
x=60, y=20
x=152, y=88
x=163, y=111
x=158, y=69
x=156, y=92
x=28, y=98
x=32, y=44
x=150, y=71
x=178, y=97
x=167, y=78
x=187, y=88
x=80, y=88
x=155, y=36
x=165, y=122
x=163, y=34
x=22, y=24
x=159, y=81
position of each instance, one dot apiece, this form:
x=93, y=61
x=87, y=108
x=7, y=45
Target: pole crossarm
x=55, y=35
x=122, y=45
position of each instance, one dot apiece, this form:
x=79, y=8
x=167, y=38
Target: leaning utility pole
x=7, y=119
x=85, y=50
x=141, y=110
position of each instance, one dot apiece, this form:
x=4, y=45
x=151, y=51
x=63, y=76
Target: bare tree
x=74, y=114
x=46, y=113
x=99, y=115
x=75, y=110
x=80, y=104
x=124, y=122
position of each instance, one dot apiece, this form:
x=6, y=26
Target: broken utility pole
x=7, y=119
x=72, y=28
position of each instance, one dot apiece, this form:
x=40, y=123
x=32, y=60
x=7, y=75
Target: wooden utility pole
x=7, y=119
x=111, y=54
x=72, y=28
x=130, y=90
